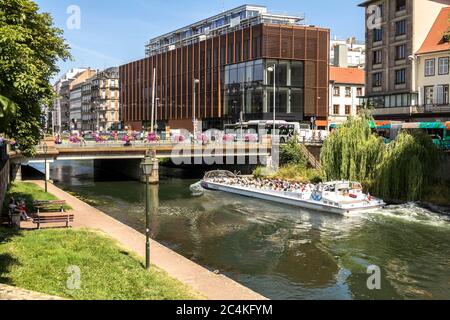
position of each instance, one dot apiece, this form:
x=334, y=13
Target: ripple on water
x=284, y=252
x=412, y=213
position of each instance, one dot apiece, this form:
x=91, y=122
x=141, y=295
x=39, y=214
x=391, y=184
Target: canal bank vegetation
x=406, y=169
x=29, y=192
x=81, y=265
x=294, y=166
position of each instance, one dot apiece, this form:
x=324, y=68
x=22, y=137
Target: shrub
x=291, y=154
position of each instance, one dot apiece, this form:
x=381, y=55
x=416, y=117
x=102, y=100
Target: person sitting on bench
x=20, y=208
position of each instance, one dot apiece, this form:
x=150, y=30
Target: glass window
x=257, y=101
x=348, y=109
x=337, y=91
x=348, y=92
x=400, y=52
x=429, y=95
x=377, y=34
x=233, y=74
x=258, y=71
x=377, y=79
x=400, y=5
x=442, y=95
x=400, y=28
x=336, y=108
x=377, y=56
x=297, y=101
x=297, y=74
x=241, y=73
x=227, y=74
x=249, y=72
x=282, y=73
x=429, y=68
x=400, y=76
x=281, y=102
x=443, y=65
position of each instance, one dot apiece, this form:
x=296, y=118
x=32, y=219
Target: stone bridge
x=125, y=160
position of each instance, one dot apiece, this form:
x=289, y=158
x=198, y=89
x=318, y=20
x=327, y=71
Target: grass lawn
x=41, y=261
x=29, y=192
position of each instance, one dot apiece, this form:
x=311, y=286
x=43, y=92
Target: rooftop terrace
x=225, y=22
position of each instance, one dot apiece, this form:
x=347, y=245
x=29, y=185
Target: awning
x=322, y=123
x=411, y=125
x=432, y=125
x=423, y=125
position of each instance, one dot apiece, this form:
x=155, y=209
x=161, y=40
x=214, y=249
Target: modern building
x=76, y=87
x=61, y=106
x=105, y=100
x=346, y=91
x=231, y=55
x=348, y=53
x=391, y=63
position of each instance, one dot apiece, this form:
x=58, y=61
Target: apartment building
x=433, y=78
x=346, y=91
x=105, y=100
x=87, y=120
x=348, y=53
x=61, y=106
x=76, y=87
x=222, y=66
x=391, y=44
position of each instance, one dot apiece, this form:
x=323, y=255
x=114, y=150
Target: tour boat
x=339, y=197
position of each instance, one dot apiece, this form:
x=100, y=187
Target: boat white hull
x=289, y=199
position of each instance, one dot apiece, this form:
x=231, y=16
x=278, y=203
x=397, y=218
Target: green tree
x=30, y=47
x=408, y=168
x=352, y=151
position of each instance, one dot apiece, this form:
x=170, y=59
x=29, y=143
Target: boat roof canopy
x=219, y=174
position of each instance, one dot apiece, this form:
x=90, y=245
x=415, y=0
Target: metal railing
x=434, y=108
x=144, y=144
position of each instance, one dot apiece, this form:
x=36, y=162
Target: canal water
x=280, y=251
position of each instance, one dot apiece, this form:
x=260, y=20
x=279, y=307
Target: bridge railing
x=142, y=144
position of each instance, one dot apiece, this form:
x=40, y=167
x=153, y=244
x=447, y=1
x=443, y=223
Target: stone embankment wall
x=4, y=175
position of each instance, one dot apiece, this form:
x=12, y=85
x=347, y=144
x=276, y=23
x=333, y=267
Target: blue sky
x=114, y=32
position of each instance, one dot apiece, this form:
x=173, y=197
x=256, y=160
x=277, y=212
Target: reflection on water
x=280, y=251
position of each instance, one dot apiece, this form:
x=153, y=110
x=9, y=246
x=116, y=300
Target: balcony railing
x=429, y=109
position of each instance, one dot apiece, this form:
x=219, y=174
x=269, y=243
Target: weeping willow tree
x=408, y=168
x=352, y=151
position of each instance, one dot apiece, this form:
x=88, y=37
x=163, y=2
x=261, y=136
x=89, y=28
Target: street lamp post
x=156, y=116
x=45, y=148
x=147, y=168
x=194, y=113
x=273, y=70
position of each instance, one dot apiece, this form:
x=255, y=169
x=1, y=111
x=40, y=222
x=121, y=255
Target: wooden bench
x=8, y=218
x=40, y=205
x=53, y=218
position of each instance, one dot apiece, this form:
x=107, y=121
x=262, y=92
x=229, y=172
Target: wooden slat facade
x=177, y=69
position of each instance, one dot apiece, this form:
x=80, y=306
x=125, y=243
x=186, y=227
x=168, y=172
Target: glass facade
x=249, y=87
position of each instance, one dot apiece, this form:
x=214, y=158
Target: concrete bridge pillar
x=16, y=172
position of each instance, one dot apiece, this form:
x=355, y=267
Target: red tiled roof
x=434, y=42
x=347, y=75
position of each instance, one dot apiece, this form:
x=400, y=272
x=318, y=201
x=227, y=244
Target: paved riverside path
x=12, y=293
x=205, y=282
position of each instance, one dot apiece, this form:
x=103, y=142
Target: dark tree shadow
x=6, y=259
